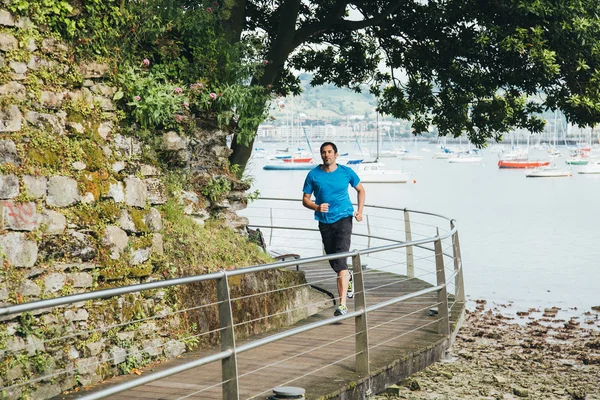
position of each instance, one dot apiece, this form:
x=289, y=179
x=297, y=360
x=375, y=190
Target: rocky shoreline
x=501, y=354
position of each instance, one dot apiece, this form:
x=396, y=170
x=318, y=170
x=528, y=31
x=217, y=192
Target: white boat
x=555, y=153
x=395, y=151
x=445, y=153
x=374, y=172
x=442, y=155
x=576, y=161
x=350, y=161
x=515, y=155
x=593, y=167
x=392, y=153
x=259, y=152
x=411, y=157
x=465, y=158
x=548, y=172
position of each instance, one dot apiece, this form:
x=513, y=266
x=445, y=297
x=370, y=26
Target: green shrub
x=152, y=100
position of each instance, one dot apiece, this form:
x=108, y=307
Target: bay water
x=528, y=242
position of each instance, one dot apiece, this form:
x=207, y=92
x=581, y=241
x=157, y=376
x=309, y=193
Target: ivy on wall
x=171, y=61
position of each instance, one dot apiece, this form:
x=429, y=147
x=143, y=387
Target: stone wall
x=80, y=211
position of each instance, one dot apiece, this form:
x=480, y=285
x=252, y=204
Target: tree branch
x=333, y=21
x=282, y=46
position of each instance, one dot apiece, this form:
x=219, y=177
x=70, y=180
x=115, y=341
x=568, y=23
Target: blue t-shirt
x=332, y=188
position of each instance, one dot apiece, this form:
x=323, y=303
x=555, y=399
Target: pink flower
x=208, y=10
x=137, y=98
x=213, y=96
x=146, y=62
x=266, y=62
x=178, y=90
x=179, y=118
x=186, y=104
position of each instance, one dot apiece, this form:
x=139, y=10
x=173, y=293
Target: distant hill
x=325, y=102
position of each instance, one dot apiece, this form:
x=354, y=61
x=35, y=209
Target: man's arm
x=361, y=194
x=308, y=203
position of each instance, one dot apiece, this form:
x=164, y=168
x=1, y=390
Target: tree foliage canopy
x=481, y=67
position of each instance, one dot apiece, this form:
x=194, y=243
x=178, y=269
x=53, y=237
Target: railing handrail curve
x=112, y=292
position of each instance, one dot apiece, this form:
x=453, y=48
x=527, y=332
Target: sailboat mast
x=555, y=127
x=377, y=130
x=307, y=141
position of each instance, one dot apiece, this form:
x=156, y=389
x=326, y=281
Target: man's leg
x=342, y=284
x=336, y=239
x=343, y=237
x=330, y=237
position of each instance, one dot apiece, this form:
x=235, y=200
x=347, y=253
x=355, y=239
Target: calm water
x=532, y=241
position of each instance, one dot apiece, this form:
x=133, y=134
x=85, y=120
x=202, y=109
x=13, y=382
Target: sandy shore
x=503, y=354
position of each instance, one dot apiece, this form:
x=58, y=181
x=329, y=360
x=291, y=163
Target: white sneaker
x=341, y=310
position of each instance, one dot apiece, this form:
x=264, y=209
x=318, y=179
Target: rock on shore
x=534, y=355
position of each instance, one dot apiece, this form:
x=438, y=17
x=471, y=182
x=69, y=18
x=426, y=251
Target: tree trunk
x=277, y=55
x=240, y=153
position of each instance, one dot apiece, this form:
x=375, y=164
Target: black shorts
x=336, y=239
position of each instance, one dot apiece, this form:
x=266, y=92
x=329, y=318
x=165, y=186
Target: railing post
x=459, y=289
x=271, y=218
x=368, y=232
x=360, y=321
x=410, y=262
x=229, y=364
x=444, y=325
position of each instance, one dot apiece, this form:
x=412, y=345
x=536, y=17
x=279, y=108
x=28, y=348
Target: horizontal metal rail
x=398, y=245
x=106, y=293
x=370, y=206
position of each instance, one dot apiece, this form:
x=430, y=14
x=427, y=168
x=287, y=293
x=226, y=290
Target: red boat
x=298, y=160
x=522, y=164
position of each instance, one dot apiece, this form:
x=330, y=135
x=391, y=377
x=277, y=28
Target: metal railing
x=377, y=241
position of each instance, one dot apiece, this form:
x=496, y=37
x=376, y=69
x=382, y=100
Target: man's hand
x=323, y=207
x=358, y=216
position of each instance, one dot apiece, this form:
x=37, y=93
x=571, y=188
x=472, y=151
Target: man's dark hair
x=328, y=144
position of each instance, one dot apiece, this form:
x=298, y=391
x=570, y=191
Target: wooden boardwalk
x=403, y=339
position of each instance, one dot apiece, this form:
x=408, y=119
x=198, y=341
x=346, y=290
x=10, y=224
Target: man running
x=334, y=211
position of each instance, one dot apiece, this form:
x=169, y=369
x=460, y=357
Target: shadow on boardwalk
x=403, y=339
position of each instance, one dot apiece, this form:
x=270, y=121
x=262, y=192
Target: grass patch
x=191, y=249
